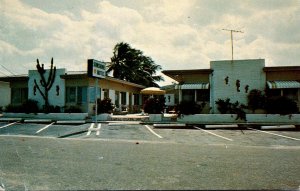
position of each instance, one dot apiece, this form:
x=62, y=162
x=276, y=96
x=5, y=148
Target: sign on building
x=96, y=69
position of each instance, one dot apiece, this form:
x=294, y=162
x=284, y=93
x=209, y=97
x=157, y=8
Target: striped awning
x=283, y=84
x=198, y=86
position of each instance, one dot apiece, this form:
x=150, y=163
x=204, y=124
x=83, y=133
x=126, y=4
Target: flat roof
x=68, y=75
x=196, y=71
x=22, y=77
x=281, y=68
x=83, y=74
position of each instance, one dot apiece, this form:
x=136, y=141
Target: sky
x=180, y=34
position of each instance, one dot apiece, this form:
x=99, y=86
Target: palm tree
x=131, y=65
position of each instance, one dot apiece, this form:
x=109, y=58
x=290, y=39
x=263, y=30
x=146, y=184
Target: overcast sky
x=176, y=34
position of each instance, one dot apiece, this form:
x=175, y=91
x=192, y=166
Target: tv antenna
x=231, y=31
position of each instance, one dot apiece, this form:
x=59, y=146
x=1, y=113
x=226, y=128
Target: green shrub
x=154, y=105
x=281, y=105
x=30, y=106
x=73, y=109
x=188, y=108
x=256, y=100
x=12, y=108
x=225, y=106
x=105, y=106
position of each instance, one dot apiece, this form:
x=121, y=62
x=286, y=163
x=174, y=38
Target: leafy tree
x=131, y=65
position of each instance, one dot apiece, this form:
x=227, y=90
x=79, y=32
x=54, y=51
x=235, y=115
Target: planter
x=52, y=116
x=230, y=118
x=155, y=117
x=104, y=117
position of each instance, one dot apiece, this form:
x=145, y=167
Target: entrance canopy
x=196, y=86
x=153, y=91
x=283, y=84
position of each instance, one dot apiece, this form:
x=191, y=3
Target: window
x=76, y=95
x=123, y=98
x=71, y=94
x=117, y=98
x=106, y=93
x=81, y=95
x=202, y=95
x=291, y=94
x=136, y=99
x=188, y=95
x=19, y=95
x=92, y=94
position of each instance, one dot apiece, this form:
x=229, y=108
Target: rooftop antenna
x=231, y=31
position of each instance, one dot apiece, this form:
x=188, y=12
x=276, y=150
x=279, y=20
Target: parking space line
x=42, y=129
x=275, y=134
x=98, y=130
x=153, y=132
x=8, y=125
x=89, y=130
x=213, y=133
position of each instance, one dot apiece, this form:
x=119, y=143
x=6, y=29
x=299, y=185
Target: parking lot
x=136, y=156
x=246, y=136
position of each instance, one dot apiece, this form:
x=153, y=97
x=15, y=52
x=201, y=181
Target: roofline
x=74, y=76
x=14, y=78
x=196, y=71
x=281, y=68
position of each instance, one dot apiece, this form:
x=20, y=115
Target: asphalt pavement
x=134, y=156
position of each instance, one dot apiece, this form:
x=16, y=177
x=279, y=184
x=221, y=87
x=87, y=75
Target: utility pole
x=231, y=31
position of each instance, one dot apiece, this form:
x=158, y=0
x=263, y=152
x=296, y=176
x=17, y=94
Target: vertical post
x=96, y=102
x=231, y=45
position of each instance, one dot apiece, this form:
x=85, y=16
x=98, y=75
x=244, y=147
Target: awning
x=198, y=86
x=283, y=84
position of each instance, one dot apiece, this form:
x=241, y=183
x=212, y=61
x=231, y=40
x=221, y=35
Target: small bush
x=281, y=105
x=189, y=108
x=53, y=109
x=105, y=106
x=256, y=100
x=73, y=109
x=30, y=106
x=12, y=108
x=154, y=105
x=225, y=106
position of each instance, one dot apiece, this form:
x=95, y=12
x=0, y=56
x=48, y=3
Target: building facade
x=233, y=80
x=74, y=89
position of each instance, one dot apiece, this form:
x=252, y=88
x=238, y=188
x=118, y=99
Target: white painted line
x=169, y=125
x=98, y=130
x=8, y=125
x=275, y=134
x=149, y=128
x=213, y=133
x=222, y=126
x=278, y=127
x=42, y=129
x=89, y=131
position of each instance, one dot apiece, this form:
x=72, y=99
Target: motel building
x=224, y=79
x=72, y=89
x=233, y=80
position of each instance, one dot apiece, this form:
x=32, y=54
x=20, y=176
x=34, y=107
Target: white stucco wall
x=248, y=72
x=55, y=100
x=171, y=101
x=5, y=94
